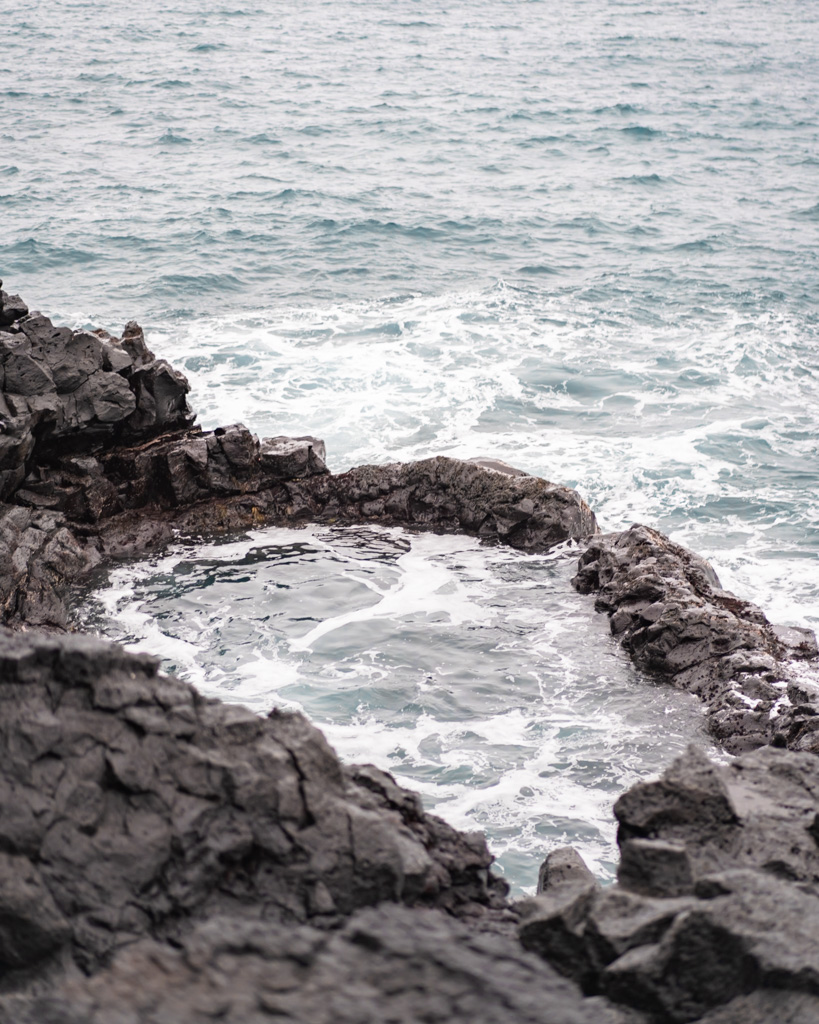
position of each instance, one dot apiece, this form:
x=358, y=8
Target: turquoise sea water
x=580, y=237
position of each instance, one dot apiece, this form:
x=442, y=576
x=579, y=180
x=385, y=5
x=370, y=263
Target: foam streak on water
x=707, y=432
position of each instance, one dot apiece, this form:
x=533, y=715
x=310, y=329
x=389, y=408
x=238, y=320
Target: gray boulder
x=717, y=903
x=12, y=308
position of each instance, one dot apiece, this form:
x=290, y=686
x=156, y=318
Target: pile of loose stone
x=165, y=857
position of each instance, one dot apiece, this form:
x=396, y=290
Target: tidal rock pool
x=474, y=674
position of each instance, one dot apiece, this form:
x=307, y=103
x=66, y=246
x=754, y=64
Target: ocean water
x=579, y=237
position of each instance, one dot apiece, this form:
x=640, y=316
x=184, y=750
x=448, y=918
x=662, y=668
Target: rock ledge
x=669, y=611
x=164, y=857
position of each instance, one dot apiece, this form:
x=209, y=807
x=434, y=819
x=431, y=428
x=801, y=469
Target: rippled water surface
x=581, y=237
x=474, y=674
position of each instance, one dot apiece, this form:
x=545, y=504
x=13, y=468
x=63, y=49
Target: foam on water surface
x=704, y=428
x=475, y=675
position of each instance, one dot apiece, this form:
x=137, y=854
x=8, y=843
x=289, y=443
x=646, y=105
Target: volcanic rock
x=67, y=391
x=190, y=857
x=12, y=308
x=553, y=921
x=717, y=903
x=386, y=964
x=99, y=457
x=131, y=806
x=563, y=868
x=164, y=857
x=669, y=611
x=450, y=495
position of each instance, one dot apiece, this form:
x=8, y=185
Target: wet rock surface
x=168, y=858
x=668, y=610
x=715, y=916
x=452, y=495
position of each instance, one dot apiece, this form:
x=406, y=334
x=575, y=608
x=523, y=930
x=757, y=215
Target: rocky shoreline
x=165, y=857
x=669, y=611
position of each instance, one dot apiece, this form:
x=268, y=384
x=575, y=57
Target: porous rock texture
x=715, y=916
x=132, y=804
x=439, y=493
x=167, y=857
x=386, y=964
x=670, y=612
x=448, y=494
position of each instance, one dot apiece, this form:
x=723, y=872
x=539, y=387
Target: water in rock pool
x=577, y=237
x=474, y=674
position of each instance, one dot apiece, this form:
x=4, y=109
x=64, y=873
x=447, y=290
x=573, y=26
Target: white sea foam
x=513, y=713
x=501, y=719
x=653, y=343
x=704, y=439
x=425, y=586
